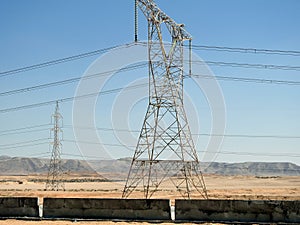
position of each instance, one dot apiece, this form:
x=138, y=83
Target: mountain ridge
x=27, y=166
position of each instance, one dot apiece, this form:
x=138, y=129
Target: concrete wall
x=19, y=207
x=154, y=209
x=127, y=209
x=237, y=210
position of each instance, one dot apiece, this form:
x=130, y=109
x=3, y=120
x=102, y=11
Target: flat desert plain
x=218, y=187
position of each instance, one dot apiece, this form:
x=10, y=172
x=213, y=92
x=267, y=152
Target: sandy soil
x=219, y=187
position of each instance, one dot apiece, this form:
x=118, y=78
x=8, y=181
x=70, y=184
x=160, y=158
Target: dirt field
x=219, y=187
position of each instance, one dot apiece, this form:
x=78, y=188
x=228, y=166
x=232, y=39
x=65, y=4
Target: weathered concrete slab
x=19, y=207
x=237, y=211
x=127, y=209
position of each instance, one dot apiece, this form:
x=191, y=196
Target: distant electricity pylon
x=55, y=173
x=165, y=149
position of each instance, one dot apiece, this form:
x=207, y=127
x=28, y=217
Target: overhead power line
x=265, y=81
x=22, y=146
x=246, y=50
x=72, y=80
x=222, y=152
x=249, y=65
x=195, y=134
x=209, y=152
x=31, y=129
x=85, y=156
x=100, y=51
x=58, y=61
x=141, y=65
x=24, y=142
x=249, y=136
x=98, y=143
x=237, y=49
x=24, y=132
x=69, y=98
x=24, y=128
x=247, y=80
x=289, y=154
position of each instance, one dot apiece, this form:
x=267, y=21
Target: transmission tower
x=55, y=173
x=165, y=148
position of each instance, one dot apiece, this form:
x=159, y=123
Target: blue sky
x=35, y=31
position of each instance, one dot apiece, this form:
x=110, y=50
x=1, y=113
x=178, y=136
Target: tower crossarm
x=154, y=14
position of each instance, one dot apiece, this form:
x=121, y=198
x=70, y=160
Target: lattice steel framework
x=165, y=148
x=55, y=173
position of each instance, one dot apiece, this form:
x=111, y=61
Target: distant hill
x=253, y=168
x=25, y=166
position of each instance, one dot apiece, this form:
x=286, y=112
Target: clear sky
x=35, y=31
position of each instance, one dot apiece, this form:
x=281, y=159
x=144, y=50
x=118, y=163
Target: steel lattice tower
x=55, y=173
x=165, y=148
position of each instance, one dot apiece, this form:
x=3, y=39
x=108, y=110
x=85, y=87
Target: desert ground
x=219, y=187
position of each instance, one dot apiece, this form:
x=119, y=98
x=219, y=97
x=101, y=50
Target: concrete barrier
x=19, y=207
x=237, y=211
x=124, y=209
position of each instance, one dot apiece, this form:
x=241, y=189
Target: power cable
x=248, y=136
x=24, y=128
x=198, y=134
x=290, y=155
x=224, y=78
x=97, y=143
x=24, y=142
x=58, y=61
x=28, y=130
x=72, y=80
x=24, y=132
x=236, y=49
x=142, y=85
x=246, y=79
x=100, y=51
x=246, y=50
x=22, y=146
x=70, y=98
x=286, y=154
x=141, y=65
x=248, y=65
x=84, y=156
